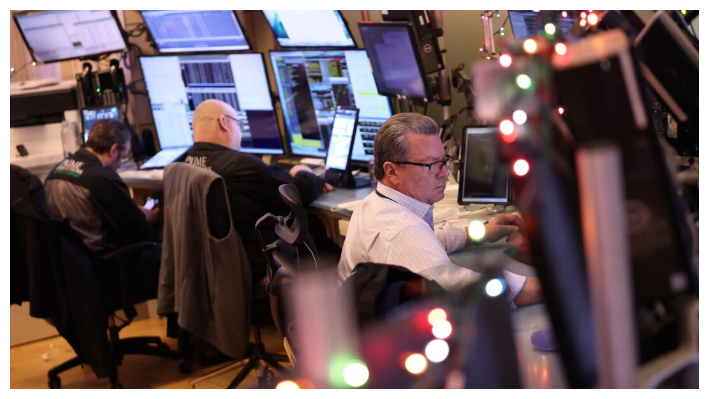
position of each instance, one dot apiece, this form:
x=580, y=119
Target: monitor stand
x=345, y=179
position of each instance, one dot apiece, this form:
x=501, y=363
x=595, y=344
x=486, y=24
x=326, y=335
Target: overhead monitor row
x=59, y=35
x=70, y=34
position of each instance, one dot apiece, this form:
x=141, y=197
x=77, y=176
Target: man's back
x=96, y=202
x=252, y=187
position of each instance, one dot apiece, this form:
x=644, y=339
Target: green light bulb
x=523, y=81
x=549, y=28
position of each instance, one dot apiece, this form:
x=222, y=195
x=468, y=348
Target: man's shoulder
x=385, y=215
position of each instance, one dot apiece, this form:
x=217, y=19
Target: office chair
x=205, y=274
x=283, y=261
x=76, y=289
x=292, y=249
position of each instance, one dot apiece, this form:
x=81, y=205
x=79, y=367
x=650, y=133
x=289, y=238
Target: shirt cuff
x=452, y=237
x=515, y=283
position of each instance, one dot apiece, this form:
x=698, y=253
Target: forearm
x=530, y=293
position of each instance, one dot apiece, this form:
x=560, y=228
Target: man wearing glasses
x=394, y=224
x=252, y=186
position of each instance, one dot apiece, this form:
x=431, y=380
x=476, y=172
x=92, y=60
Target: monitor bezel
x=188, y=52
x=419, y=63
x=268, y=81
x=348, y=164
x=328, y=47
x=461, y=172
x=91, y=57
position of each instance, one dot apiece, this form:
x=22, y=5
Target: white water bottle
x=71, y=140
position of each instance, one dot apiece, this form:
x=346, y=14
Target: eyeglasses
x=241, y=124
x=429, y=167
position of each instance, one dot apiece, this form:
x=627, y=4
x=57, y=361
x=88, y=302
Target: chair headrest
x=295, y=234
x=27, y=195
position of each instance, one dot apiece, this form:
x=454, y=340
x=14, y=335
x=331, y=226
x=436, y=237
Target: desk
x=537, y=369
x=142, y=183
x=324, y=205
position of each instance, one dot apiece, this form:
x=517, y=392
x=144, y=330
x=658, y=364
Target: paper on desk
x=443, y=213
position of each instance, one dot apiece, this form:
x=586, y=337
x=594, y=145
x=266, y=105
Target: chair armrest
x=127, y=250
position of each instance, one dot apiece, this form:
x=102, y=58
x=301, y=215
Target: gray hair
x=390, y=144
x=105, y=133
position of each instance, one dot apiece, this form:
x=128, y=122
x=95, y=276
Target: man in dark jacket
x=86, y=190
x=252, y=186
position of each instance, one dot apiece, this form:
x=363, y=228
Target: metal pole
x=444, y=84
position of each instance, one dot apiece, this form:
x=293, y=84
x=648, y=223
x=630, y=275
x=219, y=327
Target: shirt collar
x=410, y=203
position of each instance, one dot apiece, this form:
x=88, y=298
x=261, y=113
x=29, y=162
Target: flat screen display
x=176, y=86
x=61, y=35
x=343, y=132
x=482, y=180
x=309, y=28
x=91, y=115
x=526, y=24
x=396, y=68
x=164, y=157
x=312, y=84
x=179, y=31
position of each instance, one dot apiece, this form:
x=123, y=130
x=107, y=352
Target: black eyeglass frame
x=447, y=160
x=241, y=124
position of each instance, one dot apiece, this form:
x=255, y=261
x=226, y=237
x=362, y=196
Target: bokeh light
x=356, y=374
x=442, y=330
x=416, y=364
x=437, y=315
x=437, y=350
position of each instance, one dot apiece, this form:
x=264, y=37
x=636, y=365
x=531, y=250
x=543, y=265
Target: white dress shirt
x=392, y=228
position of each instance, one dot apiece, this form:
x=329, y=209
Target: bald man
x=252, y=185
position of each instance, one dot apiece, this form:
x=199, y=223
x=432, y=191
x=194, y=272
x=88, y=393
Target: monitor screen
x=309, y=28
x=178, y=31
x=91, y=115
x=343, y=132
x=62, y=35
x=526, y=24
x=312, y=84
x=395, y=62
x=176, y=85
x=164, y=157
x=482, y=179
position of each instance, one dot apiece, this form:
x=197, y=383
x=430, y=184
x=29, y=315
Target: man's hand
x=297, y=168
x=530, y=293
x=519, y=241
x=327, y=188
x=152, y=216
x=502, y=225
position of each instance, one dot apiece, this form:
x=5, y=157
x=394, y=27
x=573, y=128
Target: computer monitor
x=164, y=157
x=309, y=28
x=63, y=35
x=176, y=85
x=312, y=84
x=527, y=23
x=396, y=63
x=342, y=139
x=482, y=179
x=89, y=116
x=179, y=31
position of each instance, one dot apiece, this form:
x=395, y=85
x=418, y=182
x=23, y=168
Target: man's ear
x=222, y=123
x=114, y=151
x=391, y=172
